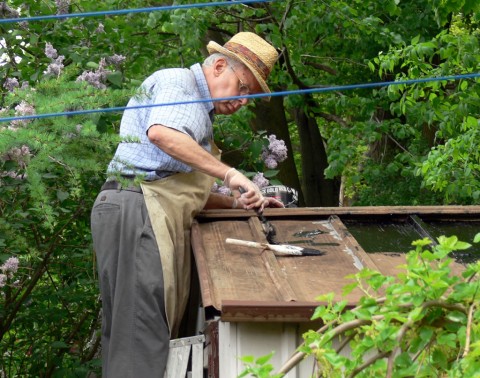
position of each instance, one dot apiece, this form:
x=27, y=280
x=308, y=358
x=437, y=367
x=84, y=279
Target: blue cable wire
x=126, y=11
x=259, y=95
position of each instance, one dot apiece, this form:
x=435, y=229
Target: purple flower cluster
x=18, y=154
x=100, y=29
x=56, y=67
x=275, y=153
x=50, y=51
x=22, y=109
x=8, y=12
x=9, y=268
x=221, y=189
x=62, y=6
x=260, y=180
x=116, y=60
x=10, y=84
x=96, y=78
x=21, y=157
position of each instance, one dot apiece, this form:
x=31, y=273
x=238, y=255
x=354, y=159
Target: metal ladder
x=179, y=355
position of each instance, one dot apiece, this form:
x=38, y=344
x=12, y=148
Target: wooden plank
x=280, y=281
x=204, y=276
x=261, y=311
x=360, y=258
x=467, y=211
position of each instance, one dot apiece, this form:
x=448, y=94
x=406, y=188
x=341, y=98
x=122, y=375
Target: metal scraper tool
x=268, y=228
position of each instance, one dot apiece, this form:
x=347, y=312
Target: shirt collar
x=202, y=85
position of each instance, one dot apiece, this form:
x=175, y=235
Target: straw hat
x=253, y=51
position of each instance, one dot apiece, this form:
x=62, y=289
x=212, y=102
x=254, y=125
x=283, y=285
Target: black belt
x=115, y=185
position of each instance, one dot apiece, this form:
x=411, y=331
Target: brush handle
x=246, y=243
x=279, y=249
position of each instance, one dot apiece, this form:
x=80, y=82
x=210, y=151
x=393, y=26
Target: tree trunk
x=317, y=190
x=270, y=116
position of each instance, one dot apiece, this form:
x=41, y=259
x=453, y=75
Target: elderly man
x=159, y=179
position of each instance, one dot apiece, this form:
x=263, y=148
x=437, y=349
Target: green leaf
x=447, y=339
x=270, y=173
x=115, y=78
x=319, y=312
x=92, y=65
x=476, y=239
x=247, y=359
x=362, y=313
x=264, y=359
x=61, y=195
x=456, y=316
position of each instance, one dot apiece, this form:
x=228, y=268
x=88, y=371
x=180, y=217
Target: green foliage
x=401, y=145
x=50, y=171
x=424, y=322
x=258, y=367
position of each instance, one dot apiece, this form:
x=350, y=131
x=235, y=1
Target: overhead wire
x=127, y=11
x=254, y=96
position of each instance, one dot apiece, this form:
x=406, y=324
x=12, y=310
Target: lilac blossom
x=116, y=60
x=96, y=78
x=100, y=29
x=221, y=189
x=8, y=12
x=18, y=154
x=275, y=153
x=10, y=84
x=270, y=162
x=56, y=67
x=22, y=109
x=21, y=157
x=62, y=6
x=10, y=266
x=260, y=180
x=50, y=51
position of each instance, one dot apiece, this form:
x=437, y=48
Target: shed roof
x=242, y=283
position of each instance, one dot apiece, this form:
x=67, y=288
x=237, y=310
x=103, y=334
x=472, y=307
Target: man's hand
x=268, y=202
x=251, y=196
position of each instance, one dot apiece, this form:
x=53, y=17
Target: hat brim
x=214, y=47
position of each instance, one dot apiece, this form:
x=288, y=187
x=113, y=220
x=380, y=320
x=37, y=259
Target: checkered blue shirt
x=141, y=157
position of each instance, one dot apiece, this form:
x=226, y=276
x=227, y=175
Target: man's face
x=233, y=81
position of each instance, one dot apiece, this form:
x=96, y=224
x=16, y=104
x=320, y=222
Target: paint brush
x=278, y=249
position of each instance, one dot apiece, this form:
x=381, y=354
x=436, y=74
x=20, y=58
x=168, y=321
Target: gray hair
x=209, y=60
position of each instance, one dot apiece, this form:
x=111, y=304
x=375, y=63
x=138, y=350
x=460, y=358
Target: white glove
x=251, y=196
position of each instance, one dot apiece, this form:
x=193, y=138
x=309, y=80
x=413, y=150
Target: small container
x=288, y=196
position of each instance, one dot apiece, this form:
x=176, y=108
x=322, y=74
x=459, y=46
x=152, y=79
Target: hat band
x=250, y=57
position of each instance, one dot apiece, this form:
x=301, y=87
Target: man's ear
x=219, y=66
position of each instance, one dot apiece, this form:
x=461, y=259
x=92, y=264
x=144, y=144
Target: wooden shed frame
x=253, y=302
